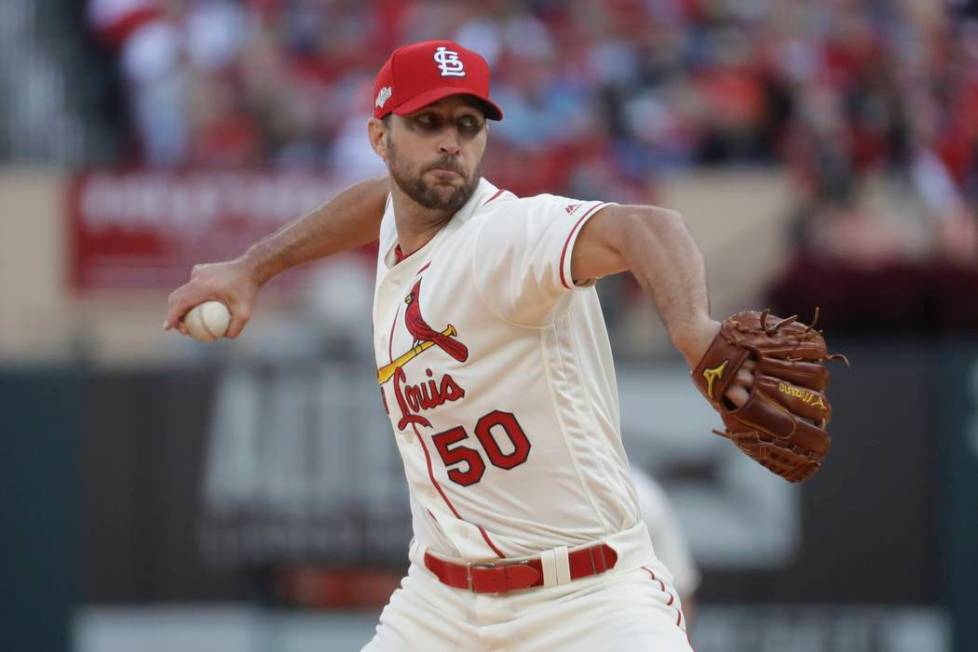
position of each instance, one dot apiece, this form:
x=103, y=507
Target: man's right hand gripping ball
x=782, y=423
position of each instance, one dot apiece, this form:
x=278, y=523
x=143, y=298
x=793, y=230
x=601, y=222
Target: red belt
x=504, y=576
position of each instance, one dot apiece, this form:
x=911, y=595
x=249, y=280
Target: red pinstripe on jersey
x=431, y=476
x=485, y=535
x=498, y=192
x=431, y=472
x=563, y=253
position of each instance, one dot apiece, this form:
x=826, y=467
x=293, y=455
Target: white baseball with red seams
x=496, y=371
x=208, y=321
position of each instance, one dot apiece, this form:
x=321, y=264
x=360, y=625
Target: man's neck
x=416, y=225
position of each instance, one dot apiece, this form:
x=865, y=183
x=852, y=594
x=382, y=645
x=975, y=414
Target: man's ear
x=377, y=132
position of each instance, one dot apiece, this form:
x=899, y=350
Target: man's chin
x=445, y=190
x=449, y=201
x=447, y=193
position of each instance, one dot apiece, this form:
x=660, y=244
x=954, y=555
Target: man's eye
x=426, y=120
x=469, y=123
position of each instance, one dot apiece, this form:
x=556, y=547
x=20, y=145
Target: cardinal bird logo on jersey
x=429, y=394
x=422, y=332
x=424, y=336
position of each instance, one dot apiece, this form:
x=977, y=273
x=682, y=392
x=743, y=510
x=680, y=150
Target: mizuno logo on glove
x=712, y=375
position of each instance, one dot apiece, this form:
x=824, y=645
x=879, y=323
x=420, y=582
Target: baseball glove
x=782, y=424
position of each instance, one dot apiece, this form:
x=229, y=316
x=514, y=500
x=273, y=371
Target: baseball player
x=494, y=366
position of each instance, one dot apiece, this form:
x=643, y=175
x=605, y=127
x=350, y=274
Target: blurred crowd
x=860, y=100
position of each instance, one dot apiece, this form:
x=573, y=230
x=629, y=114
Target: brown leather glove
x=782, y=424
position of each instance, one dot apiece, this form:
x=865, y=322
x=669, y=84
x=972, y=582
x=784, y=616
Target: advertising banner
x=146, y=229
x=264, y=465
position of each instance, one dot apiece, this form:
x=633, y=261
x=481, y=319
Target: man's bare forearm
x=350, y=219
x=665, y=260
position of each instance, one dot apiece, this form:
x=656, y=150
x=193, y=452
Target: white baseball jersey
x=496, y=371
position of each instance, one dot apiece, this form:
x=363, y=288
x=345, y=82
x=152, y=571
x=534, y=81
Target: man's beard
x=427, y=196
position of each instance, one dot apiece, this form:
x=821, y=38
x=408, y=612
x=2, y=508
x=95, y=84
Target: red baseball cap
x=421, y=73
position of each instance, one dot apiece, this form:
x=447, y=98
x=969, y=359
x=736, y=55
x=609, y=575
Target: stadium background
x=157, y=494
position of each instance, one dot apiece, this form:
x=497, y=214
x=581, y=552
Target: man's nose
x=448, y=143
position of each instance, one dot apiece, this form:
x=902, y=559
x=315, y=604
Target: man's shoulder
x=508, y=202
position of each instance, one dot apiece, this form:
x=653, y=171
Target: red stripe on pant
x=672, y=598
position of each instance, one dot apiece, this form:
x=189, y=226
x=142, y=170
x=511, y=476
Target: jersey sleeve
x=522, y=256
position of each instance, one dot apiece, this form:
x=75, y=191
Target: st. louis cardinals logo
x=412, y=399
x=449, y=63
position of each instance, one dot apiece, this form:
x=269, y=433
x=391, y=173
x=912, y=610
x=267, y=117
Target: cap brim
x=418, y=102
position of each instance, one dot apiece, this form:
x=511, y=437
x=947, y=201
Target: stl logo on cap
x=449, y=63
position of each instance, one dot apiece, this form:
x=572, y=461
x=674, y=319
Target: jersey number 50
x=485, y=430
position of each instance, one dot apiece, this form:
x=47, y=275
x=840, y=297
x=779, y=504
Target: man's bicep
x=597, y=251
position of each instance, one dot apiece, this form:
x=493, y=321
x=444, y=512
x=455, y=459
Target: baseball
x=208, y=321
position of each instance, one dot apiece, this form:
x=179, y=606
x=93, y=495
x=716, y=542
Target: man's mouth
x=445, y=174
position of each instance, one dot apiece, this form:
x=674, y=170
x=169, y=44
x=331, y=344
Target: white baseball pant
x=626, y=608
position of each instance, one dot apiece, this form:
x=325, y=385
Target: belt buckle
x=488, y=565
x=470, y=565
